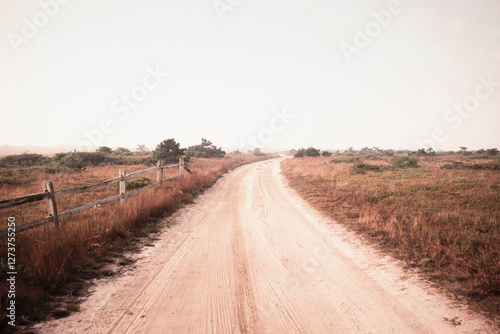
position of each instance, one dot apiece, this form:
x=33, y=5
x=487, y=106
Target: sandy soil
x=251, y=257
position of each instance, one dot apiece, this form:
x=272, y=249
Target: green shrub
x=356, y=170
x=6, y=177
x=58, y=157
x=169, y=151
x=300, y=153
x=208, y=150
x=138, y=183
x=492, y=152
x=312, y=152
x=105, y=150
x=6, y=172
x=389, y=153
x=122, y=151
x=404, y=162
x=256, y=151
x=147, y=161
x=77, y=160
x=308, y=152
x=73, y=161
x=94, y=158
x=24, y=160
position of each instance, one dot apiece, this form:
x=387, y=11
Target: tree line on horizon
x=313, y=152
x=169, y=151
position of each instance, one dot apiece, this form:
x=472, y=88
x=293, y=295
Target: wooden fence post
x=181, y=166
x=123, y=187
x=159, y=172
x=51, y=202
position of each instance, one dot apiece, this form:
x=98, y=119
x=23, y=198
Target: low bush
x=73, y=161
x=7, y=178
x=307, y=152
x=363, y=168
x=404, y=162
x=23, y=160
x=138, y=183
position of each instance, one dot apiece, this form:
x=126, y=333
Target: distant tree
x=463, y=150
x=104, y=149
x=431, y=152
x=312, y=152
x=292, y=151
x=481, y=151
x=389, y=153
x=300, y=153
x=366, y=151
x=308, y=152
x=256, y=151
x=169, y=151
x=326, y=154
x=236, y=152
x=421, y=152
x=122, y=151
x=205, y=150
x=492, y=151
x=142, y=148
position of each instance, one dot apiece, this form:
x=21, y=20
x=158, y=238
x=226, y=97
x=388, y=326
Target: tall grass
x=444, y=221
x=48, y=258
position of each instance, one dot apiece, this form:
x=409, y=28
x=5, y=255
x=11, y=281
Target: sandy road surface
x=251, y=257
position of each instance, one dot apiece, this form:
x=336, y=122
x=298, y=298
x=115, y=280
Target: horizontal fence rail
x=49, y=195
x=22, y=200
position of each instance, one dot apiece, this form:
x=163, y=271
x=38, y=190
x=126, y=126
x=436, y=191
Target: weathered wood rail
x=49, y=195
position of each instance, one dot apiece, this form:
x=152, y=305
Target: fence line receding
x=49, y=195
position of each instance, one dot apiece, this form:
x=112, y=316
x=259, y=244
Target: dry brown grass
x=53, y=260
x=445, y=222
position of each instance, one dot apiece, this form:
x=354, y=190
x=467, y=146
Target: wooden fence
x=49, y=195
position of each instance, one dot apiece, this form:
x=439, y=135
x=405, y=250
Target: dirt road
x=251, y=257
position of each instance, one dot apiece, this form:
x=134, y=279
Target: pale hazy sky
x=345, y=75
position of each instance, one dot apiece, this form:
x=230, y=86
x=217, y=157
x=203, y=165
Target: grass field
x=57, y=261
x=442, y=216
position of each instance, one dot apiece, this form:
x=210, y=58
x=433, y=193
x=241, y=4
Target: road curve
x=251, y=257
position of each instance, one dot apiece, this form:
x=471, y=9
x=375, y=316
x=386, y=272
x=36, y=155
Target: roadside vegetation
x=53, y=265
x=439, y=212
